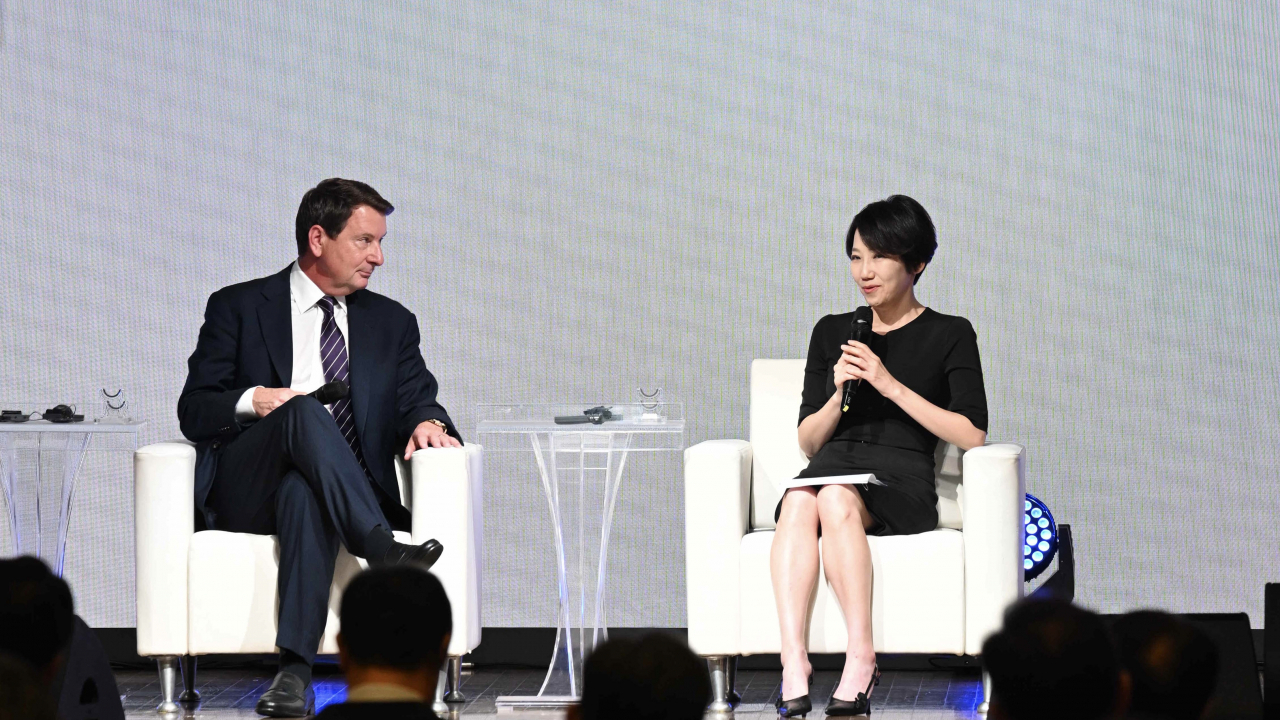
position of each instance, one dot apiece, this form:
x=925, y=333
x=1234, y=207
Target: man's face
x=348, y=260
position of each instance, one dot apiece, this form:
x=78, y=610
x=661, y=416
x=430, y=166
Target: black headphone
x=61, y=414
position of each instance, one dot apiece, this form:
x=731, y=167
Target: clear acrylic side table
x=58, y=449
x=581, y=467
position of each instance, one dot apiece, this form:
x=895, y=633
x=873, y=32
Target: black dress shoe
x=860, y=705
x=424, y=555
x=288, y=696
x=795, y=707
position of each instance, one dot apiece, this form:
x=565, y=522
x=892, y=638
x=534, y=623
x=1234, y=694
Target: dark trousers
x=292, y=474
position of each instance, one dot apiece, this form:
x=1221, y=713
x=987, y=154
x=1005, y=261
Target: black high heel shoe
x=795, y=707
x=860, y=705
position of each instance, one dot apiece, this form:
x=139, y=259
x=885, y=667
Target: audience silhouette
x=1054, y=661
x=22, y=696
x=1050, y=660
x=654, y=677
x=36, y=623
x=1173, y=665
x=396, y=623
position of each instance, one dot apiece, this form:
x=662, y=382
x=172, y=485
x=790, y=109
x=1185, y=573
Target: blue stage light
x=1040, y=542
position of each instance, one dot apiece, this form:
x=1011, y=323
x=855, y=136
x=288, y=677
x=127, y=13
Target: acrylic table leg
x=8, y=478
x=74, y=448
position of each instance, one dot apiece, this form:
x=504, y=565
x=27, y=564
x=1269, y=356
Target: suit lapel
x=277, y=326
x=361, y=353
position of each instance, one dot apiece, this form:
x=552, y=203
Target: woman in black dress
x=921, y=380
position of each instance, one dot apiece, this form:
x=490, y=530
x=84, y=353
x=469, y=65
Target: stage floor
x=931, y=695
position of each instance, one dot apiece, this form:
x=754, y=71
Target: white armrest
x=164, y=477
x=994, y=493
x=717, y=501
x=446, y=505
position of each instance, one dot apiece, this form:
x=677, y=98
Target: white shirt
x=307, y=320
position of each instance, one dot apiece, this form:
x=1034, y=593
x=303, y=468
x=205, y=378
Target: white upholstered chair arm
x=163, y=506
x=717, y=495
x=446, y=503
x=994, y=489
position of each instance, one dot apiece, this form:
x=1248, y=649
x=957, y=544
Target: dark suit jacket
x=247, y=340
x=377, y=711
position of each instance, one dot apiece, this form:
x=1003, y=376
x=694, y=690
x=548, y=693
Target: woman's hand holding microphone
x=857, y=362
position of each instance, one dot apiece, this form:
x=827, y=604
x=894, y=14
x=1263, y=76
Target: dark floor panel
x=931, y=695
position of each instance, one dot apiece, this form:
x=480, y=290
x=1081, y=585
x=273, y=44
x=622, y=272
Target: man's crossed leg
x=293, y=475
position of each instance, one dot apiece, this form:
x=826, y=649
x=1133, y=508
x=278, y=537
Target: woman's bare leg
x=793, y=563
x=846, y=558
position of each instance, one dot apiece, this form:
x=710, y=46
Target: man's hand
x=267, y=399
x=427, y=435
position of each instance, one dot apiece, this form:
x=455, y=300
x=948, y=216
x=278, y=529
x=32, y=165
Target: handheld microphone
x=861, y=332
x=330, y=393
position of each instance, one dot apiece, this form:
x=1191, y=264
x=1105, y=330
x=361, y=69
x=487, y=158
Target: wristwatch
x=440, y=425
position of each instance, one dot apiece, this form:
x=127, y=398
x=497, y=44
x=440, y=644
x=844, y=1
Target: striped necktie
x=333, y=358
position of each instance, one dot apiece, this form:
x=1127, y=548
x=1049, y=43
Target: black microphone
x=330, y=393
x=861, y=332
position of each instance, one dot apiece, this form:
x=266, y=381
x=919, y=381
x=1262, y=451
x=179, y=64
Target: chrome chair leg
x=985, y=705
x=190, y=696
x=438, y=705
x=453, y=694
x=168, y=667
x=718, y=666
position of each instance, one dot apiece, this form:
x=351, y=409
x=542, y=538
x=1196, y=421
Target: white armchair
x=212, y=592
x=939, y=592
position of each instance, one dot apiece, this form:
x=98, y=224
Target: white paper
x=865, y=479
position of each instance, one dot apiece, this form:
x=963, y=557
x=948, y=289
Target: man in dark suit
x=396, y=623
x=273, y=461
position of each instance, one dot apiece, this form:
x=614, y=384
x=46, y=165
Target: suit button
x=216, y=444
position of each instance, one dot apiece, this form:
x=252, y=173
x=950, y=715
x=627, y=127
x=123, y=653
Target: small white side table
x=581, y=468
x=69, y=441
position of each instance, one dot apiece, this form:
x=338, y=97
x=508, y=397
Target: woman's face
x=883, y=280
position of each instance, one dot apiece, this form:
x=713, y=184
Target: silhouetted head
x=36, y=614
x=1172, y=663
x=1051, y=661
x=395, y=617
x=655, y=677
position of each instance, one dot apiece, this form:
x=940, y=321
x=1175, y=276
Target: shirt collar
x=382, y=692
x=304, y=292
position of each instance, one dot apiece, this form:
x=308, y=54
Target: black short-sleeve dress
x=935, y=355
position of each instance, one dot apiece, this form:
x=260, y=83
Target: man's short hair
x=330, y=204
x=395, y=617
x=1052, y=660
x=36, y=612
x=655, y=677
x=897, y=226
x=1173, y=664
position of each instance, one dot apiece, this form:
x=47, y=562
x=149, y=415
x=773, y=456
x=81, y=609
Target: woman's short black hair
x=897, y=226
x=330, y=204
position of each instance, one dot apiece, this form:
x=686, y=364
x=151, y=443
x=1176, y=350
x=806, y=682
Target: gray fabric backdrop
x=591, y=197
